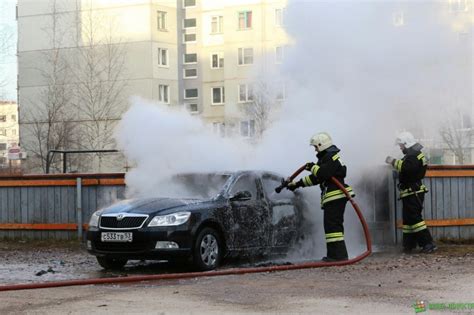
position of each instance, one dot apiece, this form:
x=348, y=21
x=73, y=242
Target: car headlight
x=172, y=219
x=94, y=221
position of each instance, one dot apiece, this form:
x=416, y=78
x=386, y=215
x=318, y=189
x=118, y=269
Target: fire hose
x=233, y=271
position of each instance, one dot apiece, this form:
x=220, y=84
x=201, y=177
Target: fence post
x=64, y=162
x=79, y=207
x=392, y=205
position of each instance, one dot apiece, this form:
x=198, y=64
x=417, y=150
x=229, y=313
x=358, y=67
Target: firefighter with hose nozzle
x=411, y=170
x=333, y=200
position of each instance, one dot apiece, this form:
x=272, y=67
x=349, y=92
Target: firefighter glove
x=309, y=166
x=293, y=186
x=390, y=160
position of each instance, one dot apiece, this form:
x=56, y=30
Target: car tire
x=208, y=249
x=110, y=263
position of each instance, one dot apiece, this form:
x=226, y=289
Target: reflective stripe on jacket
x=329, y=165
x=412, y=169
x=409, y=191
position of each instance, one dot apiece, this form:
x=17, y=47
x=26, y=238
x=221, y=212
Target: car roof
x=232, y=173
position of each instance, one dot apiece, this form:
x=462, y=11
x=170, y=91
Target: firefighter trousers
x=415, y=231
x=334, y=228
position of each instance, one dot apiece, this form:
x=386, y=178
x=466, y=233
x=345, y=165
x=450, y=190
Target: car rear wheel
x=208, y=249
x=111, y=263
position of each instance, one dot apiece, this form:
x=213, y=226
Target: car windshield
x=202, y=186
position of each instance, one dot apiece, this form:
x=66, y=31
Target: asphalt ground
x=388, y=282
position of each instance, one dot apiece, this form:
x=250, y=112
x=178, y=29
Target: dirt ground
x=385, y=283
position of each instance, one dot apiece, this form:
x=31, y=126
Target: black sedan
x=229, y=214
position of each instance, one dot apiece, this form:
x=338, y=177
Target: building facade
x=9, y=137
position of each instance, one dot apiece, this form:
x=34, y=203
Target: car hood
x=149, y=205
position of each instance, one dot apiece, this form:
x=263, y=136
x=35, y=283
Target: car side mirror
x=241, y=196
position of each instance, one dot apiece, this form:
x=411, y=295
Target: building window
x=190, y=58
x=189, y=23
x=245, y=93
x=161, y=20
x=193, y=108
x=247, y=128
x=279, y=13
x=217, y=24
x=466, y=121
x=3, y=132
x=219, y=128
x=14, y=117
x=3, y=146
x=189, y=3
x=190, y=73
x=190, y=93
x=245, y=20
x=281, y=92
x=245, y=56
x=459, y=5
x=218, y=95
x=279, y=54
x=217, y=60
x=3, y=118
x=398, y=19
x=163, y=93
x=13, y=132
x=162, y=57
x=189, y=38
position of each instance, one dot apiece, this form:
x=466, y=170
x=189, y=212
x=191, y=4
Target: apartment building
x=200, y=54
x=229, y=47
x=9, y=137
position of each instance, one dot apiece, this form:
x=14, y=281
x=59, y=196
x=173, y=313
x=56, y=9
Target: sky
x=8, y=67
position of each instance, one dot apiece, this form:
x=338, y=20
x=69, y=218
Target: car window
x=245, y=183
x=282, y=212
x=269, y=185
x=197, y=185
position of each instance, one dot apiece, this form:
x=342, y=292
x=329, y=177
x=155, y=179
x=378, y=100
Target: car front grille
x=122, y=247
x=128, y=222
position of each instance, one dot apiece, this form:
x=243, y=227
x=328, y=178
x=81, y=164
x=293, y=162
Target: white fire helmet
x=321, y=140
x=405, y=138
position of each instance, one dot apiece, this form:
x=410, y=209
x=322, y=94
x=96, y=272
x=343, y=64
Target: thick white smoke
x=162, y=141
x=350, y=72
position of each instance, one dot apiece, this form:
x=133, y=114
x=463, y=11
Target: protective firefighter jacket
x=329, y=165
x=411, y=169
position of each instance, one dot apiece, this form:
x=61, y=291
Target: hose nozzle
x=284, y=184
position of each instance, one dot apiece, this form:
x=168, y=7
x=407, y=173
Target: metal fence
x=46, y=206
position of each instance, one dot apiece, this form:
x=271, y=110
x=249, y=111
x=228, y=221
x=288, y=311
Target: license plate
x=116, y=236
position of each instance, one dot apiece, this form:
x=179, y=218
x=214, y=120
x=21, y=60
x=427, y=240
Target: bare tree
x=263, y=98
x=456, y=134
x=99, y=73
x=49, y=121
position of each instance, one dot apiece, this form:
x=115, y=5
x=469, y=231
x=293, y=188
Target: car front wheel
x=208, y=249
x=111, y=263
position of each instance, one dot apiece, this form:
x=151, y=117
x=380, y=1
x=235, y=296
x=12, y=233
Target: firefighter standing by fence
x=333, y=200
x=411, y=170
